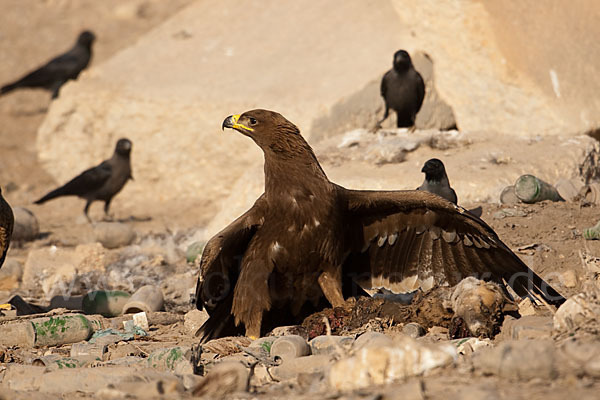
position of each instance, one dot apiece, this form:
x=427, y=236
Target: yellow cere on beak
x=236, y=125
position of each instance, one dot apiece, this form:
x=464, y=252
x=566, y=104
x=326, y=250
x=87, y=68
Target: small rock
x=569, y=278
x=113, y=234
x=190, y=381
x=526, y=307
x=193, y=320
x=477, y=393
x=509, y=212
x=308, y=364
x=372, y=339
x=224, y=379
x=568, y=189
x=55, y=269
x=325, y=344
x=260, y=376
x=437, y=333
x=413, y=330
x=529, y=327
x=290, y=347
x=479, y=304
x=194, y=250
x=26, y=225
x=298, y=330
x=10, y=274
x=314, y=382
x=522, y=359
x=581, y=358
x=378, y=365
x=264, y=343
x=577, y=311
x=413, y=390
x=467, y=346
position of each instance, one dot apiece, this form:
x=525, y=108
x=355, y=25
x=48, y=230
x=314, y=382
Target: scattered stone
x=413, y=390
x=437, y=333
x=413, y=330
x=569, y=278
x=113, y=235
x=468, y=346
x=579, y=311
x=224, y=379
x=477, y=393
x=479, y=305
x=522, y=359
x=193, y=320
x=378, y=365
x=568, y=189
x=372, y=339
x=228, y=345
x=289, y=330
x=123, y=350
x=57, y=270
x=260, y=375
x=147, y=299
x=312, y=382
x=10, y=274
x=581, y=358
x=590, y=193
x=179, y=288
x=26, y=227
x=309, y=364
x=86, y=380
x=509, y=212
x=290, y=347
x=165, y=387
x=193, y=251
x=528, y=327
x=325, y=344
x=526, y=307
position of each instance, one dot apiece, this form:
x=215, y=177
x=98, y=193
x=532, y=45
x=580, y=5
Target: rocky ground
x=370, y=348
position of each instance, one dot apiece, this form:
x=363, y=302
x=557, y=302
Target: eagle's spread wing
x=404, y=240
x=219, y=270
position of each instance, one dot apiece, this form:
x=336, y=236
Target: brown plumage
x=307, y=238
x=7, y=221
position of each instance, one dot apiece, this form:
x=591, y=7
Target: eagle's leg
x=253, y=328
x=331, y=285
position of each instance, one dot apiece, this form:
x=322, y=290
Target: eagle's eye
x=253, y=121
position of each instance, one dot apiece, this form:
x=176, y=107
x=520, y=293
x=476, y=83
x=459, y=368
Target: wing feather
x=220, y=268
x=438, y=243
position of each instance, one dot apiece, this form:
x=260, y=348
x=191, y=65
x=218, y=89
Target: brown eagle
x=306, y=237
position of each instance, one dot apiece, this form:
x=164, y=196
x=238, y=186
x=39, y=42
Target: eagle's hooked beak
x=232, y=122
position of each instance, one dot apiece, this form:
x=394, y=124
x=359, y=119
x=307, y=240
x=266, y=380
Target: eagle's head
x=269, y=129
